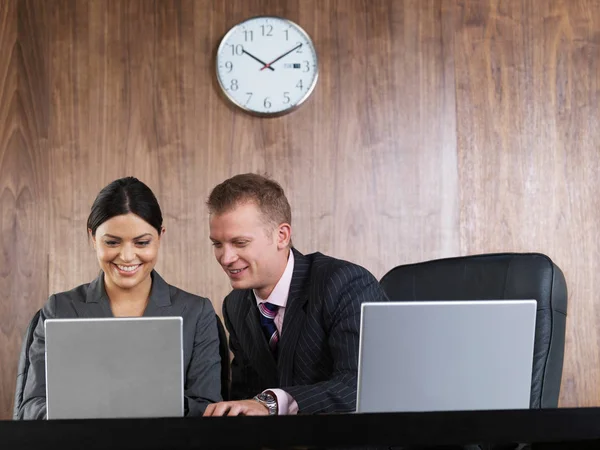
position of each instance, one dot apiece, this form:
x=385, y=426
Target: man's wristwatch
x=269, y=400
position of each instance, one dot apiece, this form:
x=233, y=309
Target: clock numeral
x=306, y=67
x=267, y=30
x=229, y=66
x=249, y=94
x=234, y=85
x=267, y=103
x=248, y=35
x=286, y=98
x=236, y=49
x=299, y=48
x=287, y=34
x=299, y=85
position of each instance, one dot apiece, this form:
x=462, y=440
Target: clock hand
x=268, y=66
x=255, y=58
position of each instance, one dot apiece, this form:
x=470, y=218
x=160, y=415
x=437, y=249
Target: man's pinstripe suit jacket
x=318, y=348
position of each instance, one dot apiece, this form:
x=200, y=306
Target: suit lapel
x=294, y=318
x=97, y=299
x=253, y=341
x=160, y=298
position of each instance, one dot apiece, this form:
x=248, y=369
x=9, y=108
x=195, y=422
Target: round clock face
x=267, y=65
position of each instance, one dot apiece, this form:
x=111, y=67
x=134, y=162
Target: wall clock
x=267, y=65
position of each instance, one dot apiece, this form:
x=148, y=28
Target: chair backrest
x=23, y=366
x=495, y=277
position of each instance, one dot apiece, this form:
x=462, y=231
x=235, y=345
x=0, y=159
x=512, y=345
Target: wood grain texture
x=9, y=150
x=23, y=180
x=179, y=178
x=73, y=168
x=528, y=93
x=437, y=128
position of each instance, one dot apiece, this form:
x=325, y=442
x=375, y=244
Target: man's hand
x=237, y=408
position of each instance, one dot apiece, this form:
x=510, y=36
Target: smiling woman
x=125, y=226
x=127, y=250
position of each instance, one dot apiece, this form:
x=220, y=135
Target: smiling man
x=293, y=319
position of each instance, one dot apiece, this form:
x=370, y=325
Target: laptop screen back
x=446, y=355
x=114, y=367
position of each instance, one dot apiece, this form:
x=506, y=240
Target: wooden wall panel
x=407, y=117
x=437, y=128
x=528, y=76
x=23, y=180
x=73, y=168
x=178, y=112
x=9, y=150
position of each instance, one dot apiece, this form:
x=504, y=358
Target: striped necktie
x=268, y=311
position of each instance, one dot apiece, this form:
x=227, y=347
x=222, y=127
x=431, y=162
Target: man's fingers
x=235, y=410
x=221, y=409
x=216, y=409
x=209, y=410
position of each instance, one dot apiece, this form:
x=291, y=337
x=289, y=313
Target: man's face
x=252, y=252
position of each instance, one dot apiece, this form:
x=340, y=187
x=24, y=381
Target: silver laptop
x=446, y=355
x=114, y=367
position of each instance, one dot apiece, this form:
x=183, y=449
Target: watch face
x=267, y=65
x=266, y=397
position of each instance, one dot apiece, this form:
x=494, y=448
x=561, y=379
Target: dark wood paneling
x=528, y=94
x=177, y=114
x=75, y=165
x=9, y=150
x=23, y=180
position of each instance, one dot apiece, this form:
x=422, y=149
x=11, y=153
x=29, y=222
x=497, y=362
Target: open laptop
x=114, y=367
x=446, y=355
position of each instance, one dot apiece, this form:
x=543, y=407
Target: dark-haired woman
x=125, y=226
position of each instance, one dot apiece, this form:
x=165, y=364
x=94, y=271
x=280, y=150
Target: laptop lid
x=114, y=367
x=446, y=355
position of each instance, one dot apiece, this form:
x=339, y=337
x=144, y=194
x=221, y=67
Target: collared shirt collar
x=280, y=293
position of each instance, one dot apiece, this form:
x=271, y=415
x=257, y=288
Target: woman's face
x=127, y=250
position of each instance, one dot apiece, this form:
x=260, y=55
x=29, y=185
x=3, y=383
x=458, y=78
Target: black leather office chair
x=23, y=366
x=493, y=277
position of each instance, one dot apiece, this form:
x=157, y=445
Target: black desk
x=558, y=428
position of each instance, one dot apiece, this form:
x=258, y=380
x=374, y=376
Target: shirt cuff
x=286, y=405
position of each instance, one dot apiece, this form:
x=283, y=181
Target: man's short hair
x=251, y=187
